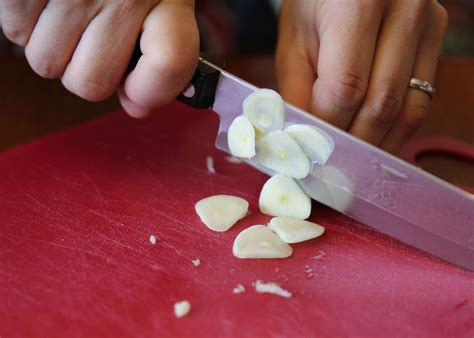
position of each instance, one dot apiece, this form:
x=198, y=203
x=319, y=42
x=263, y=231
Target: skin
x=88, y=45
x=347, y=61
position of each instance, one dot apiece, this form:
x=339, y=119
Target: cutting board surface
x=78, y=208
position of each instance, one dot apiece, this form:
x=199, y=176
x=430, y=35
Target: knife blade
x=359, y=180
x=366, y=183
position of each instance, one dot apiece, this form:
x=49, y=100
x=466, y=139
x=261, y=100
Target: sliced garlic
x=315, y=143
x=221, y=212
x=210, y=165
x=241, y=138
x=293, y=230
x=265, y=109
x=282, y=196
x=279, y=152
x=259, y=241
x=182, y=308
x=272, y=288
x=238, y=289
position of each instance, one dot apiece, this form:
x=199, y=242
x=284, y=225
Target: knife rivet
x=190, y=91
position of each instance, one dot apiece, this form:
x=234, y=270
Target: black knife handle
x=203, y=83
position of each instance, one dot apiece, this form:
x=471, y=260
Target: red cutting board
x=78, y=208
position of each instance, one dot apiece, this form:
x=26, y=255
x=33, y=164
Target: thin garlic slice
x=221, y=212
x=259, y=241
x=282, y=196
x=265, y=109
x=315, y=143
x=293, y=230
x=279, y=152
x=241, y=138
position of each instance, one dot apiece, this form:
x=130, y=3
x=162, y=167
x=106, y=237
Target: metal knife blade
x=370, y=185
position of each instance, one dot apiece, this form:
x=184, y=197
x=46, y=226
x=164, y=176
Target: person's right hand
x=88, y=44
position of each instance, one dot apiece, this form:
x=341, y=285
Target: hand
x=349, y=62
x=88, y=44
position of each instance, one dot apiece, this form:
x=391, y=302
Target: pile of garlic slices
x=260, y=131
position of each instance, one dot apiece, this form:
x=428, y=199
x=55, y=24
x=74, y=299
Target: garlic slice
x=259, y=241
x=293, y=230
x=241, y=138
x=315, y=143
x=279, y=152
x=221, y=212
x=282, y=196
x=265, y=109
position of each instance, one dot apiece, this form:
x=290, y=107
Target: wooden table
x=31, y=106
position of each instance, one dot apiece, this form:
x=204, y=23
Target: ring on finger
x=423, y=86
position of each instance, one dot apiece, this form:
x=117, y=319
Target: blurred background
x=247, y=26
x=241, y=32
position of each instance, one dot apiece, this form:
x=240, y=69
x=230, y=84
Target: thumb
x=170, y=48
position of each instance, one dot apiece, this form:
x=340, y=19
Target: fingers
x=391, y=70
x=294, y=66
x=348, y=36
x=170, y=47
x=416, y=102
x=19, y=18
x=104, y=50
x=55, y=36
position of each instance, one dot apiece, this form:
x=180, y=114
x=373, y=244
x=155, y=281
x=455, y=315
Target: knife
x=359, y=179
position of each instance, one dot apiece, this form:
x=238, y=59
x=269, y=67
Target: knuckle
x=413, y=118
x=127, y=6
x=348, y=90
x=415, y=11
x=385, y=106
x=90, y=90
x=176, y=62
x=16, y=34
x=419, y=7
x=46, y=67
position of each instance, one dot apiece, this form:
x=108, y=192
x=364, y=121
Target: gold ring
x=422, y=85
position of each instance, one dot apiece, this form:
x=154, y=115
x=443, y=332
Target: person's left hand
x=350, y=62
